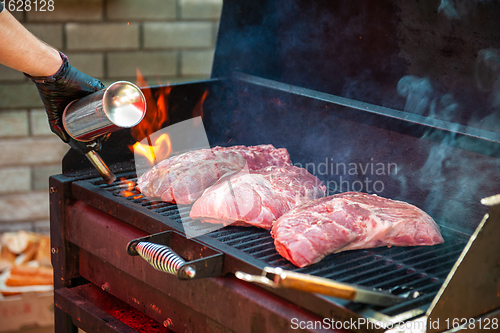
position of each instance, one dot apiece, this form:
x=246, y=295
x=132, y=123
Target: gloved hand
x=58, y=90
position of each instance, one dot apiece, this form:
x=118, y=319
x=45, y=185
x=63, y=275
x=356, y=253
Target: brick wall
x=167, y=40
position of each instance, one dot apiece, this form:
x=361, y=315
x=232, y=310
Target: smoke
x=455, y=181
x=423, y=99
x=448, y=8
x=487, y=80
x=458, y=9
x=458, y=170
x=443, y=107
x=416, y=56
x=487, y=73
x=418, y=93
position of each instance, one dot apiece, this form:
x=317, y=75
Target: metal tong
x=280, y=278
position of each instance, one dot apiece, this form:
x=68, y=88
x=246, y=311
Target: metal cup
x=121, y=105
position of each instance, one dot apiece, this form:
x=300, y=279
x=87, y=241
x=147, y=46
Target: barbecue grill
x=406, y=91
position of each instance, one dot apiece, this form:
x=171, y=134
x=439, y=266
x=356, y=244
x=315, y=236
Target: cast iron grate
x=396, y=269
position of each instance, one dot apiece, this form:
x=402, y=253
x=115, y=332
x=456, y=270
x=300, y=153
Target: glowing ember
x=129, y=187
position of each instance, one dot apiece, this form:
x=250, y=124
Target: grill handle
x=280, y=278
x=164, y=259
x=314, y=284
x=171, y=252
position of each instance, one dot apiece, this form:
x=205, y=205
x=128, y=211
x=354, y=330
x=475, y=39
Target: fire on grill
x=397, y=99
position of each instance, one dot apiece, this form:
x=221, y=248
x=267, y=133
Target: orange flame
x=198, y=108
x=130, y=186
x=160, y=150
x=154, y=120
x=157, y=111
x=156, y=116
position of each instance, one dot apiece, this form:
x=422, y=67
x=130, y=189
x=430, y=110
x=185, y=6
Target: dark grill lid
x=435, y=58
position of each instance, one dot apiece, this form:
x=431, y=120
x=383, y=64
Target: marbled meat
x=258, y=197
x=183, y=178
x=349, y=221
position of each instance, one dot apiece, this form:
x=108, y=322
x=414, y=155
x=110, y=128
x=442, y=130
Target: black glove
x=58, y=90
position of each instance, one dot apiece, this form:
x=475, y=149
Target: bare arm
x=22, y=51
x=58, y=82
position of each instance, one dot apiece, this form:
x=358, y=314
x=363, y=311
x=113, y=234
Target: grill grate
x=396, y=269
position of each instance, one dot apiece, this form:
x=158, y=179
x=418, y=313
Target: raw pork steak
x=257, y=198
x=349, y=221
x=183, y=178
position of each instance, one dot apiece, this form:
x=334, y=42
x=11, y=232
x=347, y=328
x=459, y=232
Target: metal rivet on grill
x=53, y=189
x=54, y=250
